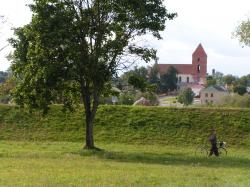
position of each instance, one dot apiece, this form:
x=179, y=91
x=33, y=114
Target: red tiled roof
x=181, y=68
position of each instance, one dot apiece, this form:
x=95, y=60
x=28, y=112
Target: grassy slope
x=143, y=125
x=64, y=164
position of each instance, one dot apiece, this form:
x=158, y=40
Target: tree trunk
x=89, y=132
x=90, y=112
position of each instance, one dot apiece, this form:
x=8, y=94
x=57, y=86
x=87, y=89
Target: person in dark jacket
x=213, y=141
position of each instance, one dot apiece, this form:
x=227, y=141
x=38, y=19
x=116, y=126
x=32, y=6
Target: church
x=190, y=75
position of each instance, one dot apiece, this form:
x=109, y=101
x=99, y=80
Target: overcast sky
x=210, y=22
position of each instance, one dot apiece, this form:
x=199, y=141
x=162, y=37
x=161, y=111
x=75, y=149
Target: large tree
x=75, y=47
x=169, y=80
x=242, y=32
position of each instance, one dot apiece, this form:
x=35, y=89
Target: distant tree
x=229, y=79
x=138, y=82
x=169, y=80
x=242, y=32
x=141, y=72
x=76, y=46
x=5, y=89
x=138, y=72
x=218, y=76
x=186, y=96
x=154, y=77
x=211, y=81
x=240, y=89
x=244, y=80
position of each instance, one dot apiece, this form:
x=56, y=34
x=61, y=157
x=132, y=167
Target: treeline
x=232, y=83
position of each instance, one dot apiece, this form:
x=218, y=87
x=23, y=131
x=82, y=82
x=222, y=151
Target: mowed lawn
x=66, y=164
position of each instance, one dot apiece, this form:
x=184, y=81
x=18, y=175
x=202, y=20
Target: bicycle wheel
x=201, y=151
x=222, y=151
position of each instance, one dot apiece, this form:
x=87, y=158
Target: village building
x=212, y=94
x=190, y=75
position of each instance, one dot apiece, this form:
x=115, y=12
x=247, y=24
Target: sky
x=209, y=22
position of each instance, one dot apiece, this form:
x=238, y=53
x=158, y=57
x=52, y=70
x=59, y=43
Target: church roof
x=181, y=68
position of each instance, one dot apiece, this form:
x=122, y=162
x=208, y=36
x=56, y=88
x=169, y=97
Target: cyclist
x=213, y=141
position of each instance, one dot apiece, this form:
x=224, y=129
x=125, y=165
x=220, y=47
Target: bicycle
x=204, y=149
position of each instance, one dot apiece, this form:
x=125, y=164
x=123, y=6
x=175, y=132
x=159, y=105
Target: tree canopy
x=169, y=80
x=186, y=96
x=242, y=32
x=74, y=47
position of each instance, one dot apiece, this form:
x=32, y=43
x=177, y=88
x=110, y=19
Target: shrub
x=127, y=98
x=152, y=97
x=236, y=101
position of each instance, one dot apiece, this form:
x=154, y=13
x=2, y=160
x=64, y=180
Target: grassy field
x=143, y=146
x=66, y=164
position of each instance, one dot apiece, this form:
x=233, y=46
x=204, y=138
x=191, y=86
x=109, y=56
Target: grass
x=170, y=99
x=66, y=164
x=126, y=124
x=154, y=146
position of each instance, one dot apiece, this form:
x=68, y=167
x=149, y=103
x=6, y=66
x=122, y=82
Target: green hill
x=139, y=125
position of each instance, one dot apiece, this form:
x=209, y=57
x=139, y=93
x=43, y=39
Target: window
x=198, y=68
x=198, y=59
x=179, y=79
x=187, y=79
x=206, y=95
x=212, y=94
x=206, y=101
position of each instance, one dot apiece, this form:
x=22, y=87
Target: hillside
x=133, y=125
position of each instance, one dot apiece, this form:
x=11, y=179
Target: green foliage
x=153, y=76
x=127, y=98
x=242, y=32
x=74, y=48
x=152, y=97
x=240, y=89
x=210, y=81
x=6, y=88
x=130, y=125
x=186, y=96
x=138, y=73
x=236, y=101
x=138, y=82
x=218, y=76
x=168, y=81
x=229, y=79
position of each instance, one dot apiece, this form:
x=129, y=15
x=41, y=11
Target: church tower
x=199, y=63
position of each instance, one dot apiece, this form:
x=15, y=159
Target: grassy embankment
x=130, y=125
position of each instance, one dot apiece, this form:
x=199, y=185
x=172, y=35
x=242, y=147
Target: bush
x=236, y=101
x=152, y=97
x=127, y=98
x=186, y=96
